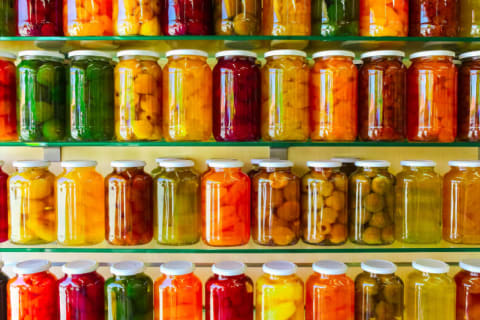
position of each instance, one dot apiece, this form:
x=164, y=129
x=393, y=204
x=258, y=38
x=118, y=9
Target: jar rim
x=280, y=268
x=186, y=52
x=469, y=54
x=241, y=53
x=372, y=163
x=285, y=52
x=41, y=53
x=379, y=266
x=464, y=163
x=330, y=267
x=229, y=268
x=324, y=164
x=418, y=163
x=80, y=267
x=7, y=55
x=382, y=53
x=430, y=266
x=32, y=266
x=127, y=268
x=127, y=163
x=176, y=163
x=31, y=164
x=345, y=160
x=78, y=164
x=224, y=163
x=270, y=163
x=471, y=265
x=136, y=53
x=257, y=161
x=331, y=53
x=177, y=268
x=89, y=53
x=432, y=53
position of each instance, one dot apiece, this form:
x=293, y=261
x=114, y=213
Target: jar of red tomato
x=432, y=97
x=468, y=289
x=39, y=18
x=8, y=97
x=181, y=17
x=433, y=18
x=469, y=97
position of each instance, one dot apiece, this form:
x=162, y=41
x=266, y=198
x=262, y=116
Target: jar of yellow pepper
x=136, y=17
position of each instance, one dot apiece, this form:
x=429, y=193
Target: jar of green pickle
x=378, y=292
x=41, y=96
x=371, y=203
x=177, y=203
x=335, y=17
x=418, y=203
x=348, y=164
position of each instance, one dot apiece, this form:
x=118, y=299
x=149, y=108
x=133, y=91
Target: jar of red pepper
x=39, y=18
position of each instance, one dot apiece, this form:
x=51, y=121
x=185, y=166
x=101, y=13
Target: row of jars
x=328, y=294
x=427, y=18
x=226, y=207
x=285, y=100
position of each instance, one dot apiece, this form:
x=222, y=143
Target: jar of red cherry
x=39, y=18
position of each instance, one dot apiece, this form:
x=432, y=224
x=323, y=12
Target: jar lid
x=432, y=53
x=471, y=265
x=372, y=163
x=8, y=55
x=127, y=268
x=224, y=163
x=469, y=54
x=330, y=267
x=187, y=52
x=78, y=164
x=177, y=268
x=418, y=163
x=280, y=268
x=31, y=266
x=430, y=266
x=276, y=164
x=179, y=163
x=160, y=160
x=382, y=53
x=346, y=160
x=379, y=266
x=80, y=267
x=134, y=53
x=357, y=62
x=229, y=268
x=41, y=53
x=31, y=164
x=128, y=163
x=324, y=164
x=89, y=53
x=331, y=53
x=257, y=161
x=242, y=53
x=464, y=163
x=285, y=52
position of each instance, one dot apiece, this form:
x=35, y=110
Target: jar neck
x=330, y=276
x=374, y=169
x=82, y=169
x=325, y=170
x=466, y=169
x=434, y=59
x=132, y=170
x=21, y=170
x=142, y=58
x=282, y=278
x=226, y=169
x=192, y=57
x=237, y=58
x=335, y=58
x=89, y=58
x=419, y=169
x=274, y=58
x=383, y=58
x=277, y=169
x=183, y=276
x=180, y=169
x=223, y=277
x=78, y=276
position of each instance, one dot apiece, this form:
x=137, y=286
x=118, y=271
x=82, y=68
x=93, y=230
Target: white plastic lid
x=372, y=163
x=430, y=266
x=89, y=53
x=136, y=53
x=80, y=267
x=345, y=160
x=285, y=52
x=187, y=52
x=127, y=268
x=471, y=265
x=382, y=53
x=469, y=54
x=257, y=161
x=242, y=53
x=177, y=268
x=8, y=55
x=276, y=164
x=432, y=53
x=224, y=163
x=31, y=164
x=330, y=267
x=78, y=164
x=179, y=163
x=280, y=268
x=332, y=53
x=41, y=53
x=324, y=164
x=357, y=62
x=229, y=268
x=160, y=160
x=379, y=266
x=31, y=266
x=418, y=163
x=464, y=163
x=128, y=163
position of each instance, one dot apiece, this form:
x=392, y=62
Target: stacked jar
x=286, y=18
x=39, y=18
x=237, y=17
x=384, y=18
x=8, y=16
x=469, y=18
x=467, y=281
x=186, y=18
x=335, y=18
x=136, y=17
x=433, y=18
x=87, y=18
x=8, y=96
x=469, y=96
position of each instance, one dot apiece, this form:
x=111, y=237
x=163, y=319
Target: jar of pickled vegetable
x=468, y=289
x=3, y=208
x=279, y=292
x=430, y=292
x=180, y=17
x=32, y=293
x=131, y=18
x=3, y=294
x=284, y=111
x=80, y=204
x=348, y=165
x=90, y=96
x=382, y=96
x=178, y=292
x=8, y=96
x=41, y=96
x=8, y=15
x=335, y=17
x=286, y=18
x=236, y=96
x=129, y=293
x=333, y=96
x=129, y=194
x=31, y=203
x=187, y=96
x=468, y=97
x=138, y=96
x=87, y=18
x=225, y=204
x=324, y=204
x=229, y=293
x=237, y=17
x=469, y=19
x=276, y=203
x=384, y=18
x=371, y=203
x=432, y=97
x=433, y=18
x=81, y=292
x=330, y=294
x=39, y=18
x=177, y=203
x=379, y=292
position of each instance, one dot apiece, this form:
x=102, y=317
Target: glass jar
x=379, y=292
x=3, y=210
x=469, y=18
x=90, y=96
x=81, y=292
x=382, y=96
x=324, y=204
x=32, y=293
x=236, y=96
x=87, y=18
x=229, y=293
x=433, y=18
x=371, y=203
x=31, y=204
x=129, y=196
x=418, y=203
x=129, y=293
x=255, y=167
x=237, y=17
x=430, y=292
x=8, y=17
x=178, y=292
x=284, y=110
x=3, y=294
x=138, y=96
x=335, y=18
x=131, y=18
x=8, y=96
x=181, y=17
x=333, y=96
x=469, y=97
x=348, y=165
x=225, y=204
x=177, y=203
x=187, y=96
x=384, y=18
x=39, y=18
x=279, y=292
x=276, y=202
x=80, y=204
x=41, y=96
x=468, y=290
x=286, y=18
x=432, y=97
x=330, y=294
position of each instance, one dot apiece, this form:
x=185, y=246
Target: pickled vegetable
x=382, y=18
x=286, y=17
x=136, y=17
x=468, y=290
x=8, y=97
x=469, y=18
x=182, y=17
x=468, y=97
x=335, y=17
x=87, y=18
x=39, y=18
x=433, y=18
x=237, y=17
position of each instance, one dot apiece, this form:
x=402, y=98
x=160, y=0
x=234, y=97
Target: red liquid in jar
x=186, y=17
x=39, y=17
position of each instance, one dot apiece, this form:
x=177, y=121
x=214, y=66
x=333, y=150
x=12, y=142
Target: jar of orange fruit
x=286, y=17
x=136, y=17
x=382, y=18
x=87, y=18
